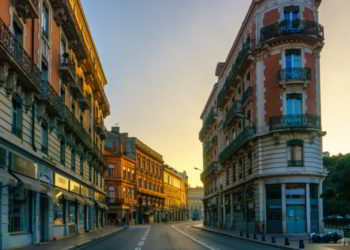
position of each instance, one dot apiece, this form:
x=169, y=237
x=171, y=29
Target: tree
x=337, y=185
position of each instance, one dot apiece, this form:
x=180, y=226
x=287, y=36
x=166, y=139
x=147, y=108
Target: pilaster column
x=320, y=207
x=65, y=207
x=284, y=209
x=35, y=218
x=4, y=222
x=50, y=219
x=78, y=217
x=308, y=209
x=262, y=215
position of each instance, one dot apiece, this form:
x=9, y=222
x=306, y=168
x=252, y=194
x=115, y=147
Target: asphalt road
x=172, y=237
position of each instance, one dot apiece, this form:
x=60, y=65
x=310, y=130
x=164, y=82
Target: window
x=90, y=173
x=63, y=94
x=111, y=194
x=294, y=104
x=72, y=218
x=234, y=173
x=111, y=168
x=124, y=172
x=81, y=165
x=45, y=21
x=291, y=13
x=73, y=108
x=73, y=160
x=63, y=152
x=16, y=116
x=18, y=30
x=293, y=58
x=44, y=138
x=44, y=72
x=19, y=210
x=295, y=153
x=58, y=210
x=227, y=176
x=250, y=170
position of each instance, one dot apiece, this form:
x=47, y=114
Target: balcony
x=208, y=122
x=67, y=68
x=235, y=109
x=295, y=122
x=294, y=75
x=242, y=61
x=84, y=103
x=300, y=28
x=209, y=169
x=27, y=8
x=77, y=88
x=209, y=145
x=247, y=95
x=150, y=192
x=236, y=144
x=12, y=52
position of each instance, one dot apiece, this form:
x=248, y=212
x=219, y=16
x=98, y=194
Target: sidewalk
x=279, y=239
x=77, y=240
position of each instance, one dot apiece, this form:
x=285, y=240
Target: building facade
x=51, y=123
x=147, y=178
x=120, y=182
x=261, y=134
x=195, y=203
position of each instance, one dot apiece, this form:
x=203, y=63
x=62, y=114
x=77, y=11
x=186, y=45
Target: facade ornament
x=28, y=100
x=60, y=17
x=52, y=123
x=11, y=83
x=4, y=72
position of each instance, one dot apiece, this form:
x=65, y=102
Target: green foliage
x=337, y=185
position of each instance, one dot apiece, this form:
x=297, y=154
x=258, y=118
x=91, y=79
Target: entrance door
x=43, y=201
x=296, y=219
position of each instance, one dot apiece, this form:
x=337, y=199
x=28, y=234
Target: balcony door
x=293, y=110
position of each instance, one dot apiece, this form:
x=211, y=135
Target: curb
x=243, y=238
x=95, y=240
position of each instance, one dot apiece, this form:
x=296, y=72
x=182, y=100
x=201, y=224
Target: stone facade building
x=195, y=203
x=261, y=134
x=146, y=186
x=52, y=108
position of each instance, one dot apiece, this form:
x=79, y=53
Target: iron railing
x=237, y=143
x=209, y=169
x=14, y=48
x=295, y=122
x=288, y=27
x=208, y=122
x=68, y=64
x=235, y=108
x=294, y=74
x=248, y=46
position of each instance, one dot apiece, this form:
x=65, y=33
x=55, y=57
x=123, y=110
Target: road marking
x=192, y=238
x=138, y=248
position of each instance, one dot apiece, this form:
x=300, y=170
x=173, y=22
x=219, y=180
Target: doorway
x=43, y=218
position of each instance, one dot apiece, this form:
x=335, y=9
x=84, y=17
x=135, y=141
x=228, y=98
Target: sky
x=160, y=57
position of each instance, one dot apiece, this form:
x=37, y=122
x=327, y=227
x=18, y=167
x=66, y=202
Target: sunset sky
x=160, y=57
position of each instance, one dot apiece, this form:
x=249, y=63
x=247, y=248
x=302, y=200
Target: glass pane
x=298, y=153
x=18, y=213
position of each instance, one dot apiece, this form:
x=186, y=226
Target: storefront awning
x=48, y=188
x=88, y=201
x=58, y=192
x=79, y=198
x=30, y=184
x=7, y=178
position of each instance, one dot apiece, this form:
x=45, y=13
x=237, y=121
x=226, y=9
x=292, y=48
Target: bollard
x=263, y=237
x=301, y=244
x=273, y=239
x=247, y=235
x=255, y=237
x=286, y=241
x=241, y=233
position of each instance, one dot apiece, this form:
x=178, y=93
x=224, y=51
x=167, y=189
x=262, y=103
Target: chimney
x=115, y=130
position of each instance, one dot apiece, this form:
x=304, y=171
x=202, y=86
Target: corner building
x=53, y=106
x=145, y=185
x=261, y=134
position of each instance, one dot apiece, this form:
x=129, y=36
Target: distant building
x=195, y=202
x=261, y=133
x=135, y=179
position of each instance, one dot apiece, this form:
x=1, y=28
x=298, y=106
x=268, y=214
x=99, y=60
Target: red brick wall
x=29, y=41
x=55, y=51
x=311, y=89
x=4, y=11
x=308, y=14
x=271, y=17
x=273, y=90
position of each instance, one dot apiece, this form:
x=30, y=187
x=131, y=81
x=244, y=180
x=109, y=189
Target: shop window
x=63, y=152
x=44, y=138
x=19, y=210
x=274, y=208
x=72, y=218
x=58, y=209
x=16, y=116
x=295, y=153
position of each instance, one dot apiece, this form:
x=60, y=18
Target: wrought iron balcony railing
x=236, y=144
x=295, y=122
x=291, y=75
x=18, y=58
x=208, y=122
x=77, y=88
x=247, y=94
x=67, y=68
x=27, y=8
x=288, y=27
x=209, y=169
x=248, y=46
x=235, y=109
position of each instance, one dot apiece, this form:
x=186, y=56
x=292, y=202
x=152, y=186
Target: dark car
x=327, y=237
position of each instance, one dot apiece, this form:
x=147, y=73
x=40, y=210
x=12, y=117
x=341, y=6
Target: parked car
x=326, y=238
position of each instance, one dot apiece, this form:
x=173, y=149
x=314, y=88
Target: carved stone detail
x=60, y=17
x=4, y=72
x=29, y=98
x=11, y=83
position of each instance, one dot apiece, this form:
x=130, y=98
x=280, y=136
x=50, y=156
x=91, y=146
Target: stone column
x=308, y=209
x=36, y=228
x=4, y=222
x=50, y=219
x=284, y=209
x=320, y=207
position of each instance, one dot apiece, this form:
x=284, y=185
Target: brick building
x=146, y=184
x=53, y=105
x=261, y=134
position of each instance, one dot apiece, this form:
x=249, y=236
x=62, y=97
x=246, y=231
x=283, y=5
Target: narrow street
x=171, y=236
